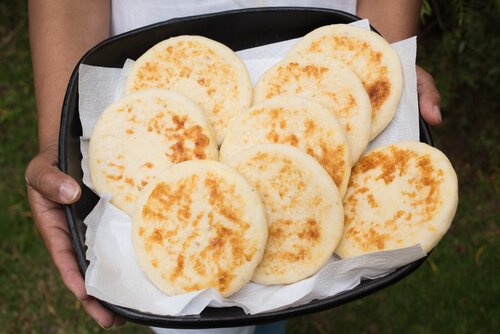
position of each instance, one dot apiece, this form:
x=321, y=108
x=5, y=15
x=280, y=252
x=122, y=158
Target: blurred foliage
x=455, y=291
x=460, y=46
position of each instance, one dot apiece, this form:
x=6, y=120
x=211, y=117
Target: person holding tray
x=62, y=31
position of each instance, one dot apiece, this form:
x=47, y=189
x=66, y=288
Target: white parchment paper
x=114, y=274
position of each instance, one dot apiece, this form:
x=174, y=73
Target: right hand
x=429, y=100
x=48, y=189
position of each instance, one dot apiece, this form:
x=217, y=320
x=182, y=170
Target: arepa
x=399, y=195
x=141, y=135
x=199, y=225
x=329, y=82
x=204, y=70
x=303, y=206
x=293, y=121
x=370, y=56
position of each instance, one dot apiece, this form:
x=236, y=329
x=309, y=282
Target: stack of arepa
x=228, y=183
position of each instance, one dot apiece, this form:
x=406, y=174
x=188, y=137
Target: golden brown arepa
x=206, y=71
x=370, y=56
x=141, y=135
x=329, y=82
x=303, y=206
x=293, y=121
x=399, y=195
x=199, y=225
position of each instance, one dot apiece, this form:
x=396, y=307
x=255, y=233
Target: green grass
x=455, y=291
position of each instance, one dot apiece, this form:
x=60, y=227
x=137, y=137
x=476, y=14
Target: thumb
x=43, y=175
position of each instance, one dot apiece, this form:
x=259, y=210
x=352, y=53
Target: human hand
x=429, y=100
x=48, y=189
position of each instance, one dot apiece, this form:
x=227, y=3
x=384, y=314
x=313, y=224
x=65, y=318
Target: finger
x=429, y=98
x=43, y=175
x=119, y=321
x=72, y=278
x=99, y=313
x=51, y=224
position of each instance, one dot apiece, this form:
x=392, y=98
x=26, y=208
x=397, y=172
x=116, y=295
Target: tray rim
x=200, y=321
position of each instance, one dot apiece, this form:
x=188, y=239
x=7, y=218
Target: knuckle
x=44, y=180
x=438, y=98
x=28, y=172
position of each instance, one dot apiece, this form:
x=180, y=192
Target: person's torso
x=130, y=14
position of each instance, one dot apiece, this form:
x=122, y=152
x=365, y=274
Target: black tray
x=239, y=29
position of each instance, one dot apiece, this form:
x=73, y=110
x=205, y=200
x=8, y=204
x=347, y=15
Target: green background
x=455, y=291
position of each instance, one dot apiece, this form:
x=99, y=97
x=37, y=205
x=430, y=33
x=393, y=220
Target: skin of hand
x=397, y=20
x=48, y=188
x=61, y=31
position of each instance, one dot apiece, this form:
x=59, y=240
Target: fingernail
x=104, y=327
x=68, y=191
x=437, y=113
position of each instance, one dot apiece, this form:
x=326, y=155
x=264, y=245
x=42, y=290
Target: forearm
x=394, y=19
x=61, y=31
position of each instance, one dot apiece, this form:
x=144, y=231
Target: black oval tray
x=239, y=29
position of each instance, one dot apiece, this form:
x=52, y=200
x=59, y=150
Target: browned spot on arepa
x=378, y=92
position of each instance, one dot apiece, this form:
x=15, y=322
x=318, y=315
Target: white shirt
x=130, y=14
